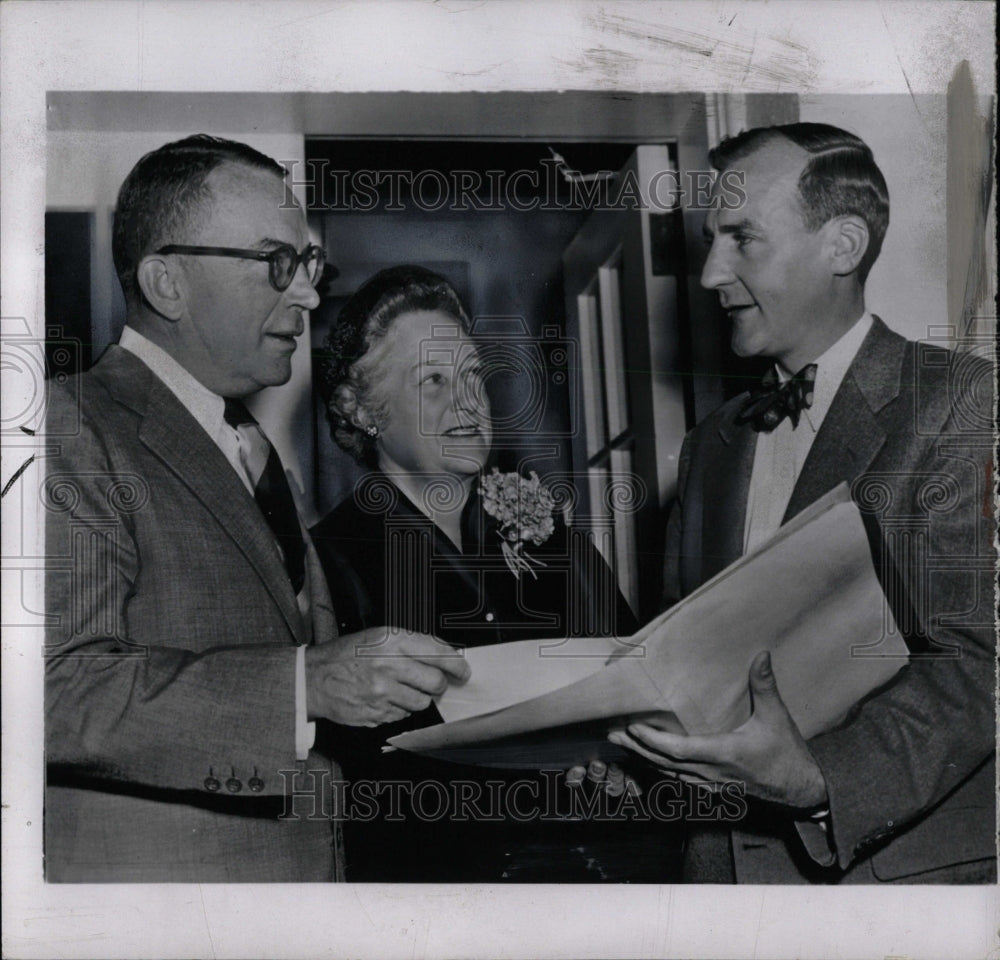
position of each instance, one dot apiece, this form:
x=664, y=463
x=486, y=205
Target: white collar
x=831, y=368
x=206, y=407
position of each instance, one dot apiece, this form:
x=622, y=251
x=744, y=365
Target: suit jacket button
x=255, y=784
x=233, y=785
x=212, y=784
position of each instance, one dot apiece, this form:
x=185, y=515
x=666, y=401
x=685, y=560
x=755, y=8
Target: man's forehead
x=764, y=178
x=258, y=200
x=230, y=179
x=778, y=156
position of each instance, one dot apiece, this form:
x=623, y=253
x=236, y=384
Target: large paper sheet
x=509, y=673
x=809, y=595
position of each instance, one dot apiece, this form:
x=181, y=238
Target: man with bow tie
x=190, y=641
x=903, y=789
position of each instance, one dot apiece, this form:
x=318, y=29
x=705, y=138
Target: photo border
x=311, y=45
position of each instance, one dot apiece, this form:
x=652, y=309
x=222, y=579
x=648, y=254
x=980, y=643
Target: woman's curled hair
x=343, y=377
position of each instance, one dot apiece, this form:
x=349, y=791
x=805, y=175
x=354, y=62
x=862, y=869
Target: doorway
x=506, y=222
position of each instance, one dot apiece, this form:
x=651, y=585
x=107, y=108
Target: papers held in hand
x=809, y=595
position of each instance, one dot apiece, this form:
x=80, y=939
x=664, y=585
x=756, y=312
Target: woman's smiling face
x=425, y=376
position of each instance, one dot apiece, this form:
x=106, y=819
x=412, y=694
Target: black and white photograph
x=499, y=479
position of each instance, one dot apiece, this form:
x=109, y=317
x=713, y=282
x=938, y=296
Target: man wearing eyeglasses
x=191, y=640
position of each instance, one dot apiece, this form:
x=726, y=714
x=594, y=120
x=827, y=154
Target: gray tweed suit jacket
x=170, y=654
x=911, y=771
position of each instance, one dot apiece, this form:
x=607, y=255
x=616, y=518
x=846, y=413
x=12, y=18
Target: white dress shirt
x=780, y=454
x=208, y=409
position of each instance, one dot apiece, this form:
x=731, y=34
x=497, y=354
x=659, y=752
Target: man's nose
x=716, y=272
x=301, y=290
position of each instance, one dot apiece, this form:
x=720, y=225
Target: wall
x=908, y=135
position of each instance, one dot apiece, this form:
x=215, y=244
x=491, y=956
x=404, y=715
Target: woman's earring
x=371, y=431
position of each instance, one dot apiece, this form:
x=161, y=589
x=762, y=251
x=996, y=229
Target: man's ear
x=848, y=243
x=159, y=281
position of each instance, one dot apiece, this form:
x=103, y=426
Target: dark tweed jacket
x=911, y=772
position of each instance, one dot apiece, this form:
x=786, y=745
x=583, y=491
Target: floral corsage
x=523, y=509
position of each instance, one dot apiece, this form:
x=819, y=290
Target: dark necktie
x=772, y=401
x=271, y=490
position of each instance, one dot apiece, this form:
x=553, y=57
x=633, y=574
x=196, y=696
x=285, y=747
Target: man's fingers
x=697, y=773
x=389, y=714
x=615, y=782
x=624, y=739
x=674, y=745
x=596, y=771
x=436, y=653
x=575, y=776
x=420, y=676
x=762, y=682
x=711, y=786
x=690, y=772
x=417, y=660
x=453, y=664
x=367, y=715
x=667, y=722
x=666, y=749
x=763, y=686
x=408, y=698
x=609, y=776
x=384, y=643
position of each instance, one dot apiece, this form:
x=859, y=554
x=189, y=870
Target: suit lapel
x=170, y=432
x=727, y=486
x=851, y=435
x=843, y=449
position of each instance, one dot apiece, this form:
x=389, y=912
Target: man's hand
x=767, y=753
x=378, y=676
x=609, y=777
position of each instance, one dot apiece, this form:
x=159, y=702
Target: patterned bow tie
x=772, y=401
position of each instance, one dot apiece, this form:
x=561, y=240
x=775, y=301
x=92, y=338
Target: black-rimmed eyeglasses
x=282, y=261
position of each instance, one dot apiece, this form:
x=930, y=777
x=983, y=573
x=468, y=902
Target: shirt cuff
x=305, y=731
x=815, y=836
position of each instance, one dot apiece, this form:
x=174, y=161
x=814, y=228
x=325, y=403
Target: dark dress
x=386, y=563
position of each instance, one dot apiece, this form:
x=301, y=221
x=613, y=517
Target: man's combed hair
x=840, y=178
x=164, y=193
x=343, y=378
